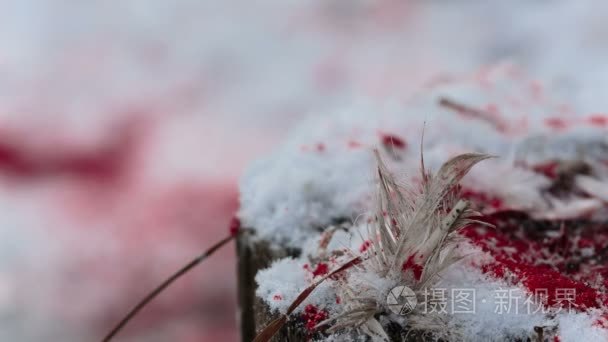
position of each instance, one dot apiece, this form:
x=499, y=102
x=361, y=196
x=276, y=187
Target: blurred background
x=124, y=127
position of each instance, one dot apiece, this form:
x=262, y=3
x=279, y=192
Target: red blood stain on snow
x=528, y=252
x=409, y=264
x=277, y=297
x=320, y=270
x=183, y=219
x=312, y=316
x=548, y=169
x=319, y=147
x=364, y=246
x=599, y=120
x=556, y=123
x=393, y=141
x=108, y=161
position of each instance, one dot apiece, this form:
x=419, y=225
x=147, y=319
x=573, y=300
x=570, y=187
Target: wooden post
x=254, y=314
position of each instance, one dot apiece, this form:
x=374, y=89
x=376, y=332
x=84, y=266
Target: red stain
x=409, y=264
x=320, y=270
x=602, y=322
x=393, y=141
x=277, y=297
x=556, y=123
x=548, y=169
x=235, y=226
x=320, y=147
x=599, y=120
x=542, y=261
x=482, y=200
x=102, y=163
x=312, y=316
x=365, y=246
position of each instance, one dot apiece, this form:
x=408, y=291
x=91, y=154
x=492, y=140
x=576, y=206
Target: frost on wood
x=545, y=194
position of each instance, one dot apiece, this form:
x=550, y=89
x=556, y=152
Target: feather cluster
x=413, y=237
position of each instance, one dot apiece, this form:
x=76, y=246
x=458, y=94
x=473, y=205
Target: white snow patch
x=576, y=327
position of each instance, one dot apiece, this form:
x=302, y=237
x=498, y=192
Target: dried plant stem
x=160, y=288
x=273, y=327
x=459, y=107
x=465, y=110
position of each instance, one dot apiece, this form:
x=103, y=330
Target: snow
x=488, y=322
x=581, y=327
x=318, y=178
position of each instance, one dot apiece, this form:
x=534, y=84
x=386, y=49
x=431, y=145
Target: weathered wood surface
x=254, y=314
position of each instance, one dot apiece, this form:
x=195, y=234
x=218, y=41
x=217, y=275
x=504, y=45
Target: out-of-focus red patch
x=536, y=89
x=353, y=144
x=556, y=123
x=320, y=270
x=277, y=297
x=492, y=108
x=599, y=120
x=235, y=226
x=548, y=169
x=393, y=141
x=482, y=200
x=106, y=162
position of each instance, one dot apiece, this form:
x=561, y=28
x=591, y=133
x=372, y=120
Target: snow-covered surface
x=325, y=173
